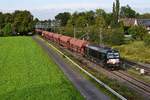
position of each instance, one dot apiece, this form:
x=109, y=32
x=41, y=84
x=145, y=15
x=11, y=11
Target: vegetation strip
x=27, y=73
x=93, y=77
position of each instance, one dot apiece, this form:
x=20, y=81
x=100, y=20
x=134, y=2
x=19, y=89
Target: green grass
x=137, y=75
x=27, y=73
x=135, y=51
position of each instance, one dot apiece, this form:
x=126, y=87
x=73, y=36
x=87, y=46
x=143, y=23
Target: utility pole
x=87, y=31
x=100, y=36
x=74, y=31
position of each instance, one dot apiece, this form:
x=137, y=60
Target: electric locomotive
x=103, y=55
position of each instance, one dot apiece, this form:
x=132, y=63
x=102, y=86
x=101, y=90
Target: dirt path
x=86, y=88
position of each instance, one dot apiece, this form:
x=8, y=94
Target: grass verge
x=27, y=73
x=135, y=51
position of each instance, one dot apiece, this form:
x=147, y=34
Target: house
x=136, y=22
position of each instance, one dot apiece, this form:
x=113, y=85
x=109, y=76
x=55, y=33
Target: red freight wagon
x=56, y=37
x=50, y=35
x=64, y=41
x=45, y=34
x=38, y=31
x=80, y=45
x=72, y=46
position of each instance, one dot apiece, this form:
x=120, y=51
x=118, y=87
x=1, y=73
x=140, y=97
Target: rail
x=90, y=75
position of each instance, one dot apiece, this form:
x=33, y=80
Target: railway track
x=140, y=85
x=131, y=64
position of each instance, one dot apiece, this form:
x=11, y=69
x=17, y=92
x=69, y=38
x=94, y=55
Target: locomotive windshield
x=113, y=55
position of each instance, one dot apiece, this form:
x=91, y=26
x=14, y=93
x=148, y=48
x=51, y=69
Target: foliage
x=137, y=32
x=21, y=22
x=144, y=16
x=27, y=73
x=117, y=37
x=114, y=37
x=81, y=22
x=7, y=29
x=63, y=18
x=127, y=12
x=147, y=40
x=94, y=23
x=135, y=51
x=116, y=10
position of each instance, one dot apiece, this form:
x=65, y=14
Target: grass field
x=26, y=73
x=135, y=51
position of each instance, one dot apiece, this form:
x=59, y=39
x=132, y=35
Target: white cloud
x=74, y=6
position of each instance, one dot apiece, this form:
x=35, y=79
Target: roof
x=99, y=48
x=128, y=21
x=133, y=21
x=144, y=22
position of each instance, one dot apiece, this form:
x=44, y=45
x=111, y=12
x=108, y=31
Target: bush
x=137, y=32
x=117, y=38
x=7, y=29
x=147, y=40
x=114, y=37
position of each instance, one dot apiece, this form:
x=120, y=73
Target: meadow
x=135, y=51
x=27, y=73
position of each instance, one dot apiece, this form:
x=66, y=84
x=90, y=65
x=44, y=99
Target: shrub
x=114, y=37
x=147, y=40
x=137, y=32
x=7, y=29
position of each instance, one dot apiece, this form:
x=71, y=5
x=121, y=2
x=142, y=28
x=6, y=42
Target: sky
x=47, y=9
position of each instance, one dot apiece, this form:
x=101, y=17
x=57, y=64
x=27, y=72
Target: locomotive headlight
x=113, y=61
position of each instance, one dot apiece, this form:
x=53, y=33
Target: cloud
x=74, y=5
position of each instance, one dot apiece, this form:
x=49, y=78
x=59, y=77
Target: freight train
x=99, y=54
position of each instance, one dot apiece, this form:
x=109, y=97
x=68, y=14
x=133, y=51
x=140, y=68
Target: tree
x=114, y=36
x=100, y=22
x=145, y=16
x=23, y=22
x=117, y=10
x=7, y=29
x=90, y=17
x=137, y=32
x=81, y=22
x=63, y=18
x=127, y=12
x=114, y=13
x=1, y=20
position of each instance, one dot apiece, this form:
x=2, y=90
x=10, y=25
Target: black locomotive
x=103, y=55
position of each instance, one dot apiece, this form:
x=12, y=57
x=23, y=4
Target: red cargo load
x=64, y=41
x=78, y=45
x=38, y=31
x=50, y=35
x=56, y=37
x=72, y=44
x=45, y=34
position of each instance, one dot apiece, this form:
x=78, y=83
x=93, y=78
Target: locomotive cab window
x=113, y=55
